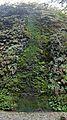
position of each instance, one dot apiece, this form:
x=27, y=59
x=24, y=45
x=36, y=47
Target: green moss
x=33, y=30
x=7, y=102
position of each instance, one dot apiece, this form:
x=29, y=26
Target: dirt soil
x=32, y=116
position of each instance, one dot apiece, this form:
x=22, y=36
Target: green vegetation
x=33, y=59
x=31, y=75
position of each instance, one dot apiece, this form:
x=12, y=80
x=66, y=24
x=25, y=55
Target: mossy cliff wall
x=33, y=58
